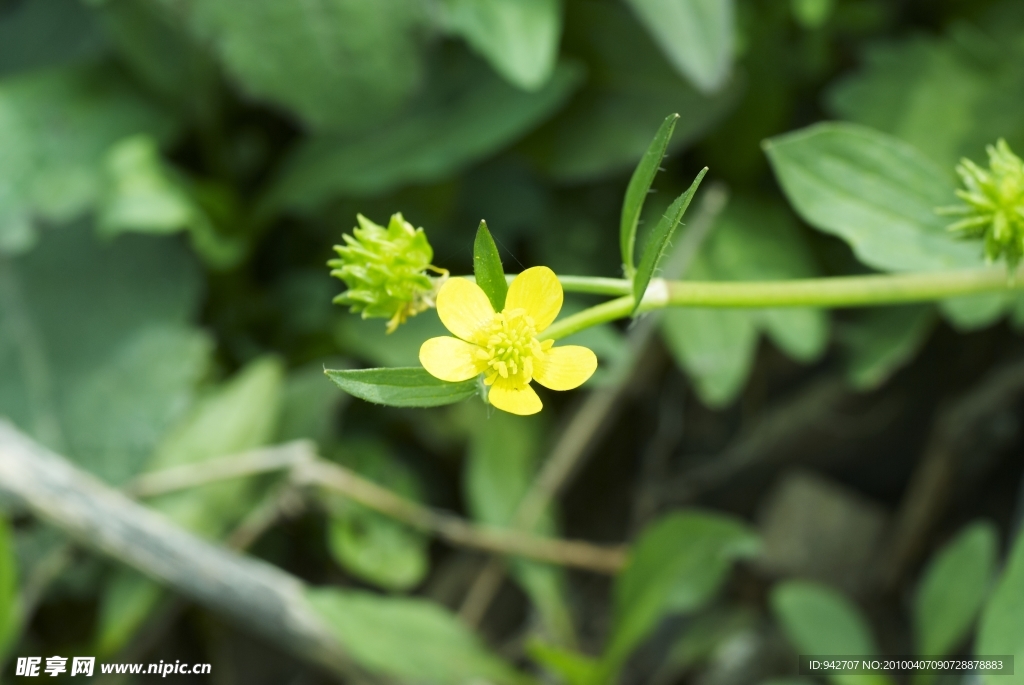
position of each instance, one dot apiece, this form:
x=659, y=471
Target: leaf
x=878, y=342
x=434, y=647
x=465, y=115
x=695, y=35
x=337, y=64
x=401, y=387
x=367, y=544
x=752, y=240
x=607, y=126
x=45, y=34
x=503, y=455
x=9, y=611
x=239, y=415
x=490, y=275
x=677, y=565
x=953, y=587
x=570, y=666
x=55, y=129
x=820, y=621
x=98, y=359
x=874, y=191
x=638, y=189
x=658, y=241
x=1001, y=626
x=518, y=37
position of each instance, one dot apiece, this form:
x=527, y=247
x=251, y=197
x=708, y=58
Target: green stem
x=840, y=291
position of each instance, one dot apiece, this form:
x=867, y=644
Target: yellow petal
x=507, y=396
x=450, y=359
x=538, y=291
x=463, y=307
x=565, y=368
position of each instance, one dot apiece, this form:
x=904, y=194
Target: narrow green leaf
x=1001, y=627
x=401, y=387
x=677, y=565
x=639, y=186
x=490, y=275
x=953, y=589
x=658, y=241
x=8, y=588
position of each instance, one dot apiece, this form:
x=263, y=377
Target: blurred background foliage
x=173, y=175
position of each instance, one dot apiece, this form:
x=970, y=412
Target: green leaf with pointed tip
x=657, y=242
x=639, y=186
x=953, y=588
x=490, y=275
x=408, y=386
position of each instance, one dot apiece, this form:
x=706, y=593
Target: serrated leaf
x=518, y=37
x=658, y=240
x=490, y=275
x=677, y=565
x=638, y=188
x=695, y=35
x=401, y=387
x=409, y=639
x=1001, y=627
x=953, y=587
x=9, y=614
x=819, y=620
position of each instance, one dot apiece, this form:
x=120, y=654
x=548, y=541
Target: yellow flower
x=504, y=345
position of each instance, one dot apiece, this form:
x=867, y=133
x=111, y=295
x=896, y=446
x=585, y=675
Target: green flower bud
x=385, y=270
x=994, y=204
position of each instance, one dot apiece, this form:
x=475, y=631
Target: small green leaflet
x=639, y=186
x=657, y=242
x=409, y=386
x=490, y=275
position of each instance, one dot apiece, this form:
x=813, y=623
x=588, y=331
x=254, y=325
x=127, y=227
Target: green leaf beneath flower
x=401, y=387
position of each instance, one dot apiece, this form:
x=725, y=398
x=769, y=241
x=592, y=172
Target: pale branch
x=306, y=468
x=255, y=594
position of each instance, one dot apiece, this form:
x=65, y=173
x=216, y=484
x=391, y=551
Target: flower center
x=509, y=345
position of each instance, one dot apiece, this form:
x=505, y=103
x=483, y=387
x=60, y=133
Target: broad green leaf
x=48, y=33
x=658, y=240
x=97, y=357
x=239, y=415
x=928, y=92
x=369, y=545
x=337, y=64
x=880, y=341
x=820, y=621
x=55, y=129
x=677, y=565
x=518, y=37
x=630, y=88
x=503, y=456
x=953, y=587
x=409, y=639
x=638, y=189
x=490, y=275
x=752, y=240
x=9, y=613
x=696, y=36
x=1001, y=626
x=401, y=387
x=465, y=115
x=874, y=191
